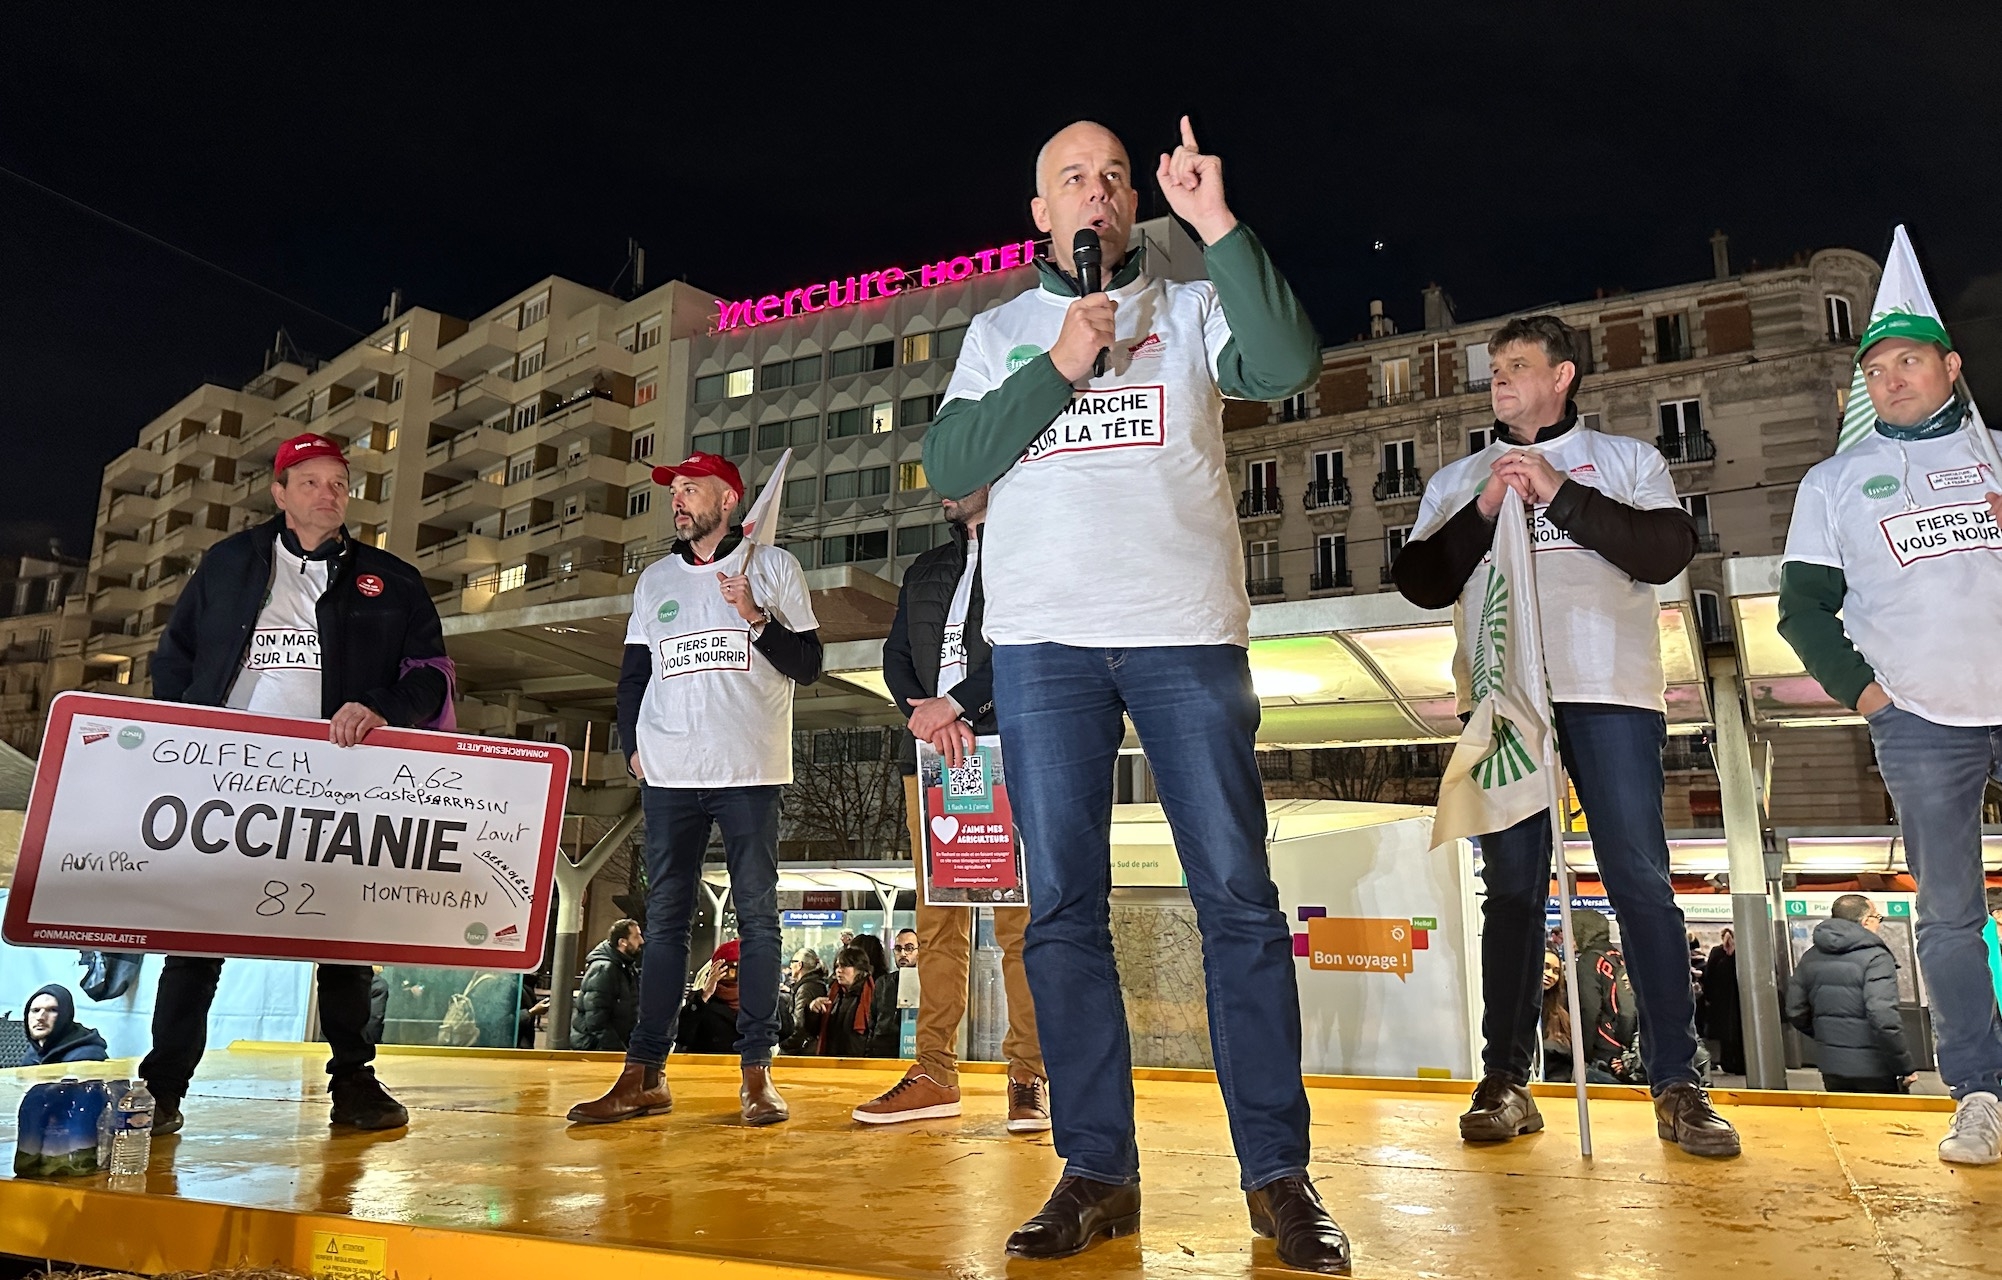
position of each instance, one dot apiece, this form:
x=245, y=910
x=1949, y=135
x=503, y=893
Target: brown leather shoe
x=1683, y=1115
x=641, y=1090
x=762, y=1103
x=1502, y=1110
x=1028, y=1105
x=1291, y=1213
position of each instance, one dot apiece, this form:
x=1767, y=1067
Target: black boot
x=360, y=1102
x=1291, y=1213
x=1078, y=1214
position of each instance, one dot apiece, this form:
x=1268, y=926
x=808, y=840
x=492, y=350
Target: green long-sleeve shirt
x=1811, y=597
x=1272, y=353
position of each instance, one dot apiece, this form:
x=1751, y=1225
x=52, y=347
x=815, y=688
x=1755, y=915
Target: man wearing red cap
x=718, y=638
x=294, y=618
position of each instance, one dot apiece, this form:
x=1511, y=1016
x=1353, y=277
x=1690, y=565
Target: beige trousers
x=945, y=943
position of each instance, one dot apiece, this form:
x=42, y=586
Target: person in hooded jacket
x=1606, y=1006
x=608, y=996
x=1844, y=993
x=54, y=1035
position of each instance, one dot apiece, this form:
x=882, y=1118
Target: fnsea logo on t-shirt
x=1880, y=486
x=668, y=610
x=1019, y=356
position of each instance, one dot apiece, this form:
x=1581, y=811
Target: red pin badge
x=369, y=585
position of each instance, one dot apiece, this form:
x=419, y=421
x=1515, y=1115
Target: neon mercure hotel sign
x=887, y=283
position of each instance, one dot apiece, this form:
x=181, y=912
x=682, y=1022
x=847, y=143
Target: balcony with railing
x=1326, y=495
x=1686, y=449
x=1258, y=587
x=1401, y=485
x=1384, y=577
x=1259, y=502
x=1331, y=580
x=1706, y=542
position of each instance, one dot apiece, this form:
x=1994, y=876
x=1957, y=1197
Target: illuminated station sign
x=887, y=283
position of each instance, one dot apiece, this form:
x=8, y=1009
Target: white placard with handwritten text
x=155, y=826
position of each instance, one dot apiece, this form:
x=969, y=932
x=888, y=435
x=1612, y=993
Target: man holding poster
x=294, y=618
x=1605, y=526
x=939, y=668
x=718, y=638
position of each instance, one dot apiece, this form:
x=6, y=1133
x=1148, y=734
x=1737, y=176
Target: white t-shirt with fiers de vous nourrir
x=1601, y=627
x=1118, y=525
x=281, y=668
x=1908, y=524
x=717, y=713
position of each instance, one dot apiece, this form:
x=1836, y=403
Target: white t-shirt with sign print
x=1601, y=627
x=281, y=668
x=952, y=646
x=717, y=713
x=1908, y=525
x=1118, y=525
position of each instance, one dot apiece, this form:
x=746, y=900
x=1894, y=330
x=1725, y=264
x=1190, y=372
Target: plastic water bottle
x=132, y=1132
x=107, y=1119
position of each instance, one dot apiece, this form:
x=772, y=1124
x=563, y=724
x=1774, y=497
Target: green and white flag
x=1499, y=771
x=1902, y=289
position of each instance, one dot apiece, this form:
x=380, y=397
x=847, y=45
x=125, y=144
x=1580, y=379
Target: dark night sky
x=1517, y=154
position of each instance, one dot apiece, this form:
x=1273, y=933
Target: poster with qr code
x=971, y=855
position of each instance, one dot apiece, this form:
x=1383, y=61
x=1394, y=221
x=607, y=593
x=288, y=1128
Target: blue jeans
x=1613, y=755
x=1936, y=774
x=678, y=820
x=1060, y=711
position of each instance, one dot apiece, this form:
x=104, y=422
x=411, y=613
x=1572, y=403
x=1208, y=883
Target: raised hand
x=1193, y=183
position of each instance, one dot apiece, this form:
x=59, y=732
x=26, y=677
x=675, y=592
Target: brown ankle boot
x=641, y=1090
x=762, y=1103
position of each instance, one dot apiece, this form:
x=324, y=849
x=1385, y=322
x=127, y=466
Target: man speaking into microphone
x=1115, y=587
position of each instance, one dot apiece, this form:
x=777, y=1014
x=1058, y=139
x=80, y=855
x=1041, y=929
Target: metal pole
x=1751, y=911
x=572, y=878
x=1565, y=885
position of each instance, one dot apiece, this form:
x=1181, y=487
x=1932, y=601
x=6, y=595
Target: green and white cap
x=1903, y=324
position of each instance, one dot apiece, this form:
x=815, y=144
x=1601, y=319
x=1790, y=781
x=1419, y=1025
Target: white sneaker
x=1976, y=1135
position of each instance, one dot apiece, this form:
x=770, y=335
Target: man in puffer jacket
x=1844, y=993
x=608, y=997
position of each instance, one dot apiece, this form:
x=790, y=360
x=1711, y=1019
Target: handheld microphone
x=1088, y=256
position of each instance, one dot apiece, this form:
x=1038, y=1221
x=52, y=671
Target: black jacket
x=1606, y=1005
x=857, y=1005
x=68, y=1041
x=910, y=653
x=365, y=639
x=802, y=1029
x=706, y=1025
x=608, y=1000
x=378, y=1009
x=1844, y=993
x=1648, y=546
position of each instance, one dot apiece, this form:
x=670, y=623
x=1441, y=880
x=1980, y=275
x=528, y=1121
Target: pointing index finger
x=1188, y=135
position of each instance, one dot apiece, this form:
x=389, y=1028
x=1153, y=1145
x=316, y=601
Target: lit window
x=642, y=446
x=879, y=417
x=389, y=437
x=513, y=576
x=917, y=348
x=738, y=382
x=403, y=337
x=910, y=475
x=646, y=389
x=358, y=485
x=1396, y=379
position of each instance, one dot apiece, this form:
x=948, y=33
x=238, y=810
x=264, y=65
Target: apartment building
x=1739, y=380
x=33, y=626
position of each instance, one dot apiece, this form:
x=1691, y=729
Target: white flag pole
x=1553, y=770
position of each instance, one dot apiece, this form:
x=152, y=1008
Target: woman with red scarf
x=847, y=1010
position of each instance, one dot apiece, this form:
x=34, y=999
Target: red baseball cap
x=299, y=448
x=730, y=950
x=702, y=464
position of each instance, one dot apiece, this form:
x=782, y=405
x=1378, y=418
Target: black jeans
x=181, y=1021
x=1862, y=1084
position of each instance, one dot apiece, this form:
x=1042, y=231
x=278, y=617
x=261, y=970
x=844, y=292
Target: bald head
x=1084, y=179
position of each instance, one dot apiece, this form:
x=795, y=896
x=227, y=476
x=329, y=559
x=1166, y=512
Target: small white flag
x=761, y=522
x=1498, y=774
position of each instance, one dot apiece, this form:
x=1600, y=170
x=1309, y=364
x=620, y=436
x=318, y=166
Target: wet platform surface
x=489, y=1180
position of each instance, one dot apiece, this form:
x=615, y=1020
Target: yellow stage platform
x=490, y=1181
